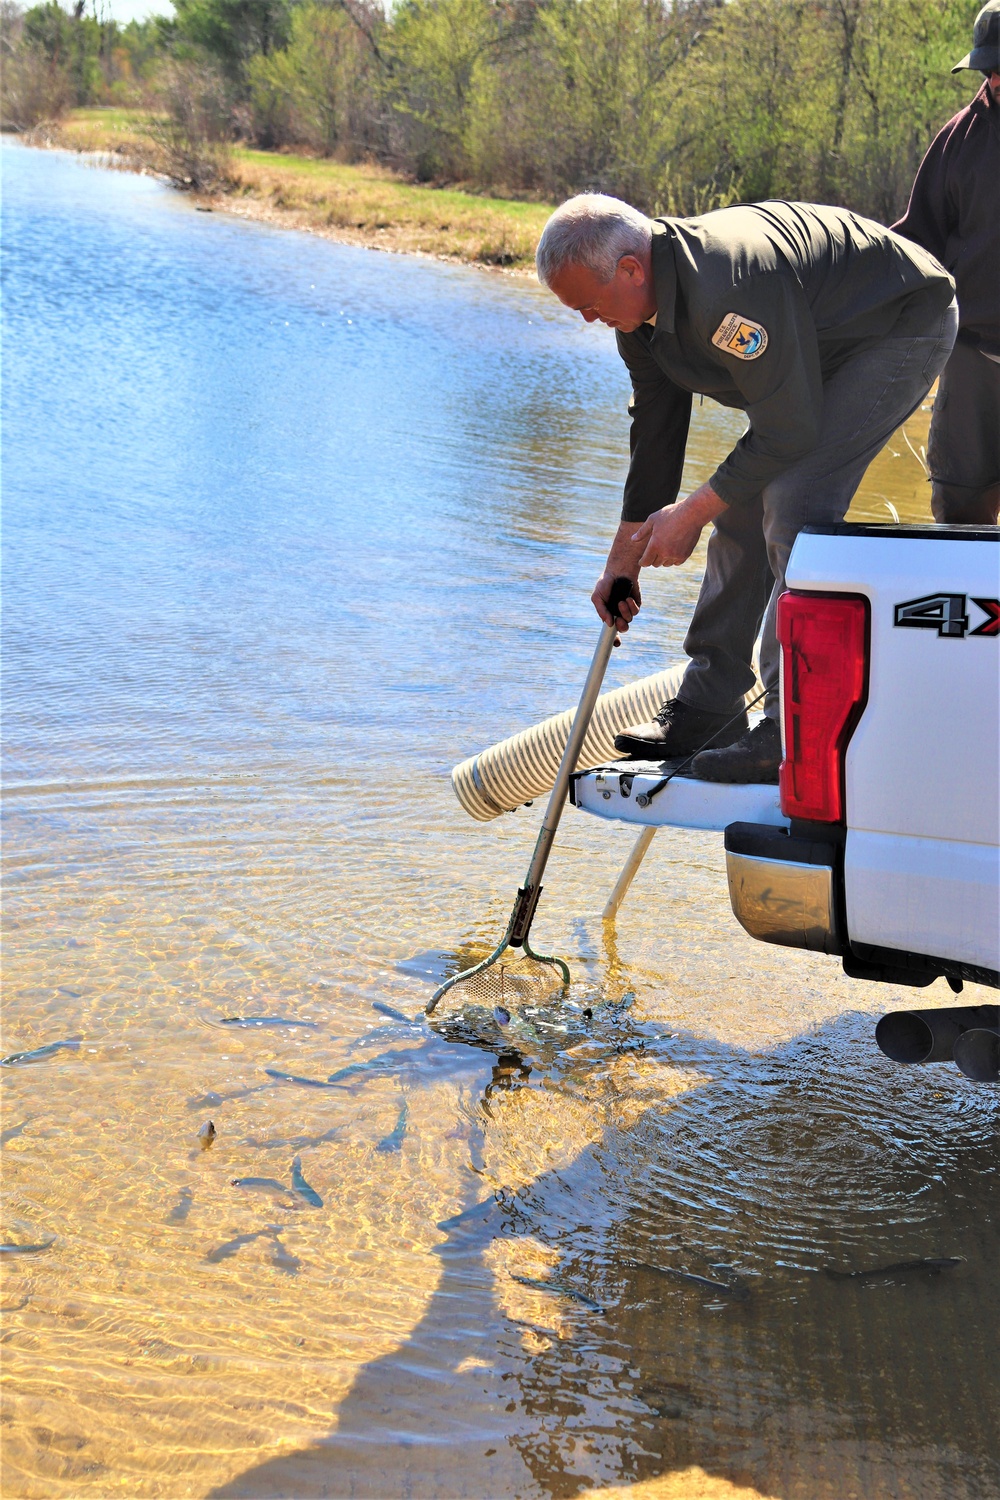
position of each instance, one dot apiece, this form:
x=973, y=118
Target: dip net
x=531, y=978
x=509, y=983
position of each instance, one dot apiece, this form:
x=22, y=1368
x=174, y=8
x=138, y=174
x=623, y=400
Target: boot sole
x=756, y=776
x=667, y=749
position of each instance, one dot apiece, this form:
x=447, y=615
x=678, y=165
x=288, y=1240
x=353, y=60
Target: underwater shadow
x=705, y=1306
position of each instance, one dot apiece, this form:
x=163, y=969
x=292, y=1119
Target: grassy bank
x=364, y=205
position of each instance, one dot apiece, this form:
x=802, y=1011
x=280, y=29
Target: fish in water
x=17, y=1059
x=392, y=1013
x=394, y=1140
x=352, y=1069
x=207, y=1134
x=557, y=1290
x=735, y=1289
x=267, y=1021
x=517, y=1028
x=270, y=1187
x=181, y=1208
x=933, y=1266
x=12, y=1131
x=384, y=1060
x=308, y=1083
x=12, y=1249
x=302, y=1187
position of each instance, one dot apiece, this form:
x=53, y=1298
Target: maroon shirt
x=954, y=212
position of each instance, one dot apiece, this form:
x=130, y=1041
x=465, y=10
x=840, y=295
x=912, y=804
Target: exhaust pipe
x=921, y=1036
x=977, y=1053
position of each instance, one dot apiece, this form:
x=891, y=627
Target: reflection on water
x=291, y=528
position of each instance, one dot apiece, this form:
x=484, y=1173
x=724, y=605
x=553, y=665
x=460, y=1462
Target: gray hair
x=591, y=230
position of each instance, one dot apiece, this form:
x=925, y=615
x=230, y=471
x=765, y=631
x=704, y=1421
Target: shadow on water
x=746, y=1183
x=229, y=812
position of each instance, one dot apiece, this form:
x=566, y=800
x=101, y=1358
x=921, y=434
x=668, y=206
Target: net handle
x=622, y=588
x=516, y=935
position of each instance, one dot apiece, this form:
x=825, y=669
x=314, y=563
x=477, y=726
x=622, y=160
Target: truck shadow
x=692, y=1318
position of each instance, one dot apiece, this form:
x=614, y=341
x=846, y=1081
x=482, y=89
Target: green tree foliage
x=321, y=90
x=233, y=32
x=677, y=105
x=73, y=42
x=55, y=58
x=826, y=99
x=586, y=97
x=433, y=56
x=33, y=86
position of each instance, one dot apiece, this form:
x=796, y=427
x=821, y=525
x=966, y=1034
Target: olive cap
x=985, y=54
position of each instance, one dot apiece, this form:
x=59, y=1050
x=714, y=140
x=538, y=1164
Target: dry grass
x=122, y=133
x=365, y=205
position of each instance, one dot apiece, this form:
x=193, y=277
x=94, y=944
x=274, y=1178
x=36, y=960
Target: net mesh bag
x=512, y=982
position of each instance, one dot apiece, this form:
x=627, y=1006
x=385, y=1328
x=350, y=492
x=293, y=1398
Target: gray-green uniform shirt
x=756, y=306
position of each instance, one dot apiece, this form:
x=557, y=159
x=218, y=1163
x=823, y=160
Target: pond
x=290, y=528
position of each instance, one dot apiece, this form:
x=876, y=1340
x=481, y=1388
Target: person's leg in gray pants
x=963, y=450
x=864, y=403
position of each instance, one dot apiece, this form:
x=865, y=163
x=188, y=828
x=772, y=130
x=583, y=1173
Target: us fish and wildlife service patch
x=740, y=336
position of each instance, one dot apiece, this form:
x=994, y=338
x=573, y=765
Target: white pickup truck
x=880, y=843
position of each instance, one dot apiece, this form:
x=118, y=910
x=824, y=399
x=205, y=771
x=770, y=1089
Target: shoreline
x=365, y=205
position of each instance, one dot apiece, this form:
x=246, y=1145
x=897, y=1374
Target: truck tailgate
x=922, y=773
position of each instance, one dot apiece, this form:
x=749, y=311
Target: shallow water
x=290, y=528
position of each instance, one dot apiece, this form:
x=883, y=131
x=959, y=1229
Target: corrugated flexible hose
x=524, y=765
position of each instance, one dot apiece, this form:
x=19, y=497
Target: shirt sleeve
x=930, y=217
x=661, y=414
x=782, y=386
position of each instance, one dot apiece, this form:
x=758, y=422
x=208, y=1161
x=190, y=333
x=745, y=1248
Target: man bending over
x=827, y=330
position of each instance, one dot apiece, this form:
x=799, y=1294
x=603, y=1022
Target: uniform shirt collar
x=664, y=277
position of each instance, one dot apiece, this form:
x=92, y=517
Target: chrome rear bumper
x=783, y=889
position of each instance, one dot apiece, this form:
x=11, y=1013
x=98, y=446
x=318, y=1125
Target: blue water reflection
x=271, y=472
x=290, y=527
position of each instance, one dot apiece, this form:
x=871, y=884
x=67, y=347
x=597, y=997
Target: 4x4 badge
x=990, y=626
x=947, y=614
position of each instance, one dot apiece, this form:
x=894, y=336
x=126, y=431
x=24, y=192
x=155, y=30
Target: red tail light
x=824, y=681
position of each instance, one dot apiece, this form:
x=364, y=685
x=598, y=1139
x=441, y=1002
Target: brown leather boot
x=679, y=730
x=755, y=757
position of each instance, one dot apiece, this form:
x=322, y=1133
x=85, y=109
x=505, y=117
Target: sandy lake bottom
x=290, y=528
